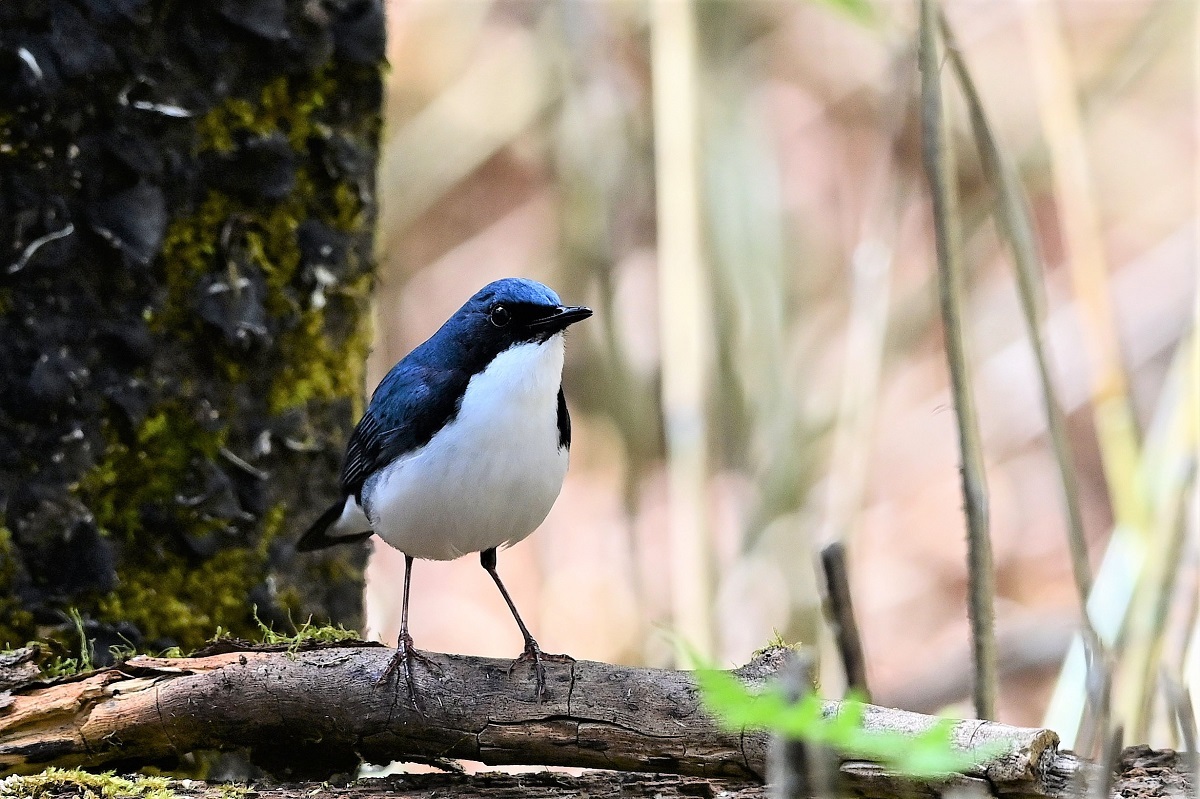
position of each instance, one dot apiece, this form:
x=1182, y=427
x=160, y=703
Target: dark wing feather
x=412, y=403
x=316, y=538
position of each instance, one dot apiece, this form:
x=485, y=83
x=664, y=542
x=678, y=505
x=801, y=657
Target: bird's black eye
x=499, y=316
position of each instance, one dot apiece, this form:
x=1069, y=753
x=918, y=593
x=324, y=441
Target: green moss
x=56, y=781
x=160, y=592
x=16, y=623
x=150, y=472
x=316, y=368
x=10, y=145
x=273, y=522
x=283, y=105
x=230, y=790
x=776, y=642
x=348, y=209
x=171, y=598
x=307, y=633
x=189, y=252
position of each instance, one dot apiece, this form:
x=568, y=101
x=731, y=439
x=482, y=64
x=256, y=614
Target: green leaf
x=929, y=754
x=858, y=10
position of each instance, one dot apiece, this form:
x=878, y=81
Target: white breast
x=488, y=478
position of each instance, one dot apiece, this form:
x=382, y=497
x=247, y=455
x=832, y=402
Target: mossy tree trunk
x=186, y=206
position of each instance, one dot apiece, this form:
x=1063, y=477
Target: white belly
x=488, y=478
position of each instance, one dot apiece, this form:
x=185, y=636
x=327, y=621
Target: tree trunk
x=186, y=209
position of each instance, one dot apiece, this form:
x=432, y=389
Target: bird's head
x=514, y=311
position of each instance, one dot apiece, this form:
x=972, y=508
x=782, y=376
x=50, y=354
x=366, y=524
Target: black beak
x=561, y=318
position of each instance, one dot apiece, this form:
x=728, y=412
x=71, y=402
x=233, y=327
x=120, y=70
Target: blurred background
x=736, y=188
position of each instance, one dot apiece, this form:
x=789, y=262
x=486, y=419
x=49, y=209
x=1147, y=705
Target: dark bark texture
x=186, y=204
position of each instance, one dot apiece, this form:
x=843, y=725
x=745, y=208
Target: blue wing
x=410, y=405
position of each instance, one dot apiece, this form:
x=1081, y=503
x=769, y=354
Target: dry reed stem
x=940, y=168
x=684, y=315
x=1087, y=263
x=1168, y=465
x=1016, y=226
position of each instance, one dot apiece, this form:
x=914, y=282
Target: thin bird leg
x=533, y=653
x=406, y=653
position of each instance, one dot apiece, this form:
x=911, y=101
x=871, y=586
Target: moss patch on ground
x=56, y=781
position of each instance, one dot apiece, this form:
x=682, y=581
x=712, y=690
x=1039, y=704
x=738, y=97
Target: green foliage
x=306, y=633
x=859, y=10
x=57, y=781
x=929, y=754
x=64, y=665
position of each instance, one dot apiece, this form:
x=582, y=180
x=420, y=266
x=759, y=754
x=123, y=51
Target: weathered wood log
x=323, y=710
x=18, y=667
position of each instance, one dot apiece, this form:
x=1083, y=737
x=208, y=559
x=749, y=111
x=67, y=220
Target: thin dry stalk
x=1102, y=785
x=685, y=319
x=1097, y=708
x=1087, y=263
x=1179, y=703
x=940, y=169
x=841, y=613
x=1169, y=466
x=1016, y=225
x=1117, y=434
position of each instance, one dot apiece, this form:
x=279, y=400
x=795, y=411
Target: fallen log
x=323, y=710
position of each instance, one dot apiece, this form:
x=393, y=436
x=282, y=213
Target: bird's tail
x=325, y=533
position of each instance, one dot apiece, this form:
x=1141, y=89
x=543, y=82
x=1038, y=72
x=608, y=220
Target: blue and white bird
x=464, y=445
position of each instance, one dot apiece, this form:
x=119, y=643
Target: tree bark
x=321, y=711
x=186, y=209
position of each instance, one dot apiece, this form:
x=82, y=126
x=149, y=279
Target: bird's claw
x=403, y=660
x=536, y=657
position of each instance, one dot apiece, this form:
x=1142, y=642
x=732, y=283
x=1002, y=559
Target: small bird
x=463, y=447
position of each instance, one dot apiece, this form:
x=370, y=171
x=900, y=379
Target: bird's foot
x=402, y=661
x=535, y=656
